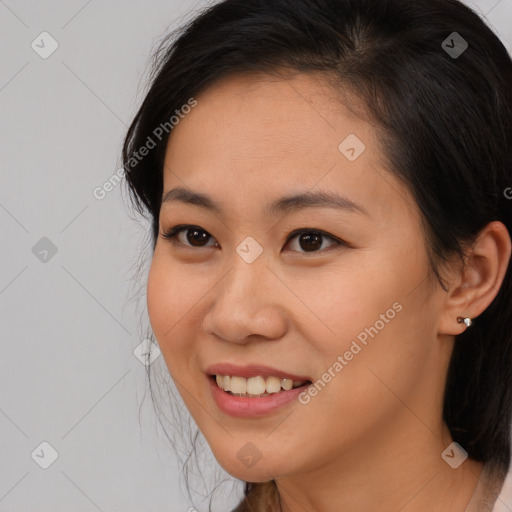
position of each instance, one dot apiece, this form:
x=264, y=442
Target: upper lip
x=252, y=371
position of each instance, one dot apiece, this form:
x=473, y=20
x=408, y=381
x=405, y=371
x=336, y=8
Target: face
x=335, y=294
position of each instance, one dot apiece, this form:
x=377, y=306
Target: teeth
x=273, y=385
x=255, y=386
x=238, y=385
x=287, y=384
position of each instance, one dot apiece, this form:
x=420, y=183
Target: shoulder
x=504, y=487
x=493, y=492
x=242, y=507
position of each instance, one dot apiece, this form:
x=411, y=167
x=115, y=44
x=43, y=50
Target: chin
x=250, y=471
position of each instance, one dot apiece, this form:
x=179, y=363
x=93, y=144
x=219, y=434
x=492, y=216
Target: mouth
x=253, y=391
x=256, y=387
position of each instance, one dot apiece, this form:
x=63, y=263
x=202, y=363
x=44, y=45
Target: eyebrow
x=282, y=205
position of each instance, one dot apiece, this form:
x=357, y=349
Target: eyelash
x=171, y=234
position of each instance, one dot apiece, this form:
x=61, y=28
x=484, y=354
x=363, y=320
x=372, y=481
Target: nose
x=247, y=303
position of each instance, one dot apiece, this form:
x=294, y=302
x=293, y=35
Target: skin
x=372, y=438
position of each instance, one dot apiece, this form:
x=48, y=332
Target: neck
x=398, y=471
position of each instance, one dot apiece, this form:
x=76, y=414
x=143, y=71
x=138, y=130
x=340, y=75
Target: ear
x=472, y=288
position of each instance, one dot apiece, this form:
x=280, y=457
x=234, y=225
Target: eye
x=313, y=240
x=310, y=240
x=194, y=236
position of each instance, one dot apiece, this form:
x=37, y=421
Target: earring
x=466, y=321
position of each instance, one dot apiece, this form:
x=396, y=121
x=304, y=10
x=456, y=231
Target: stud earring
x=466, y=321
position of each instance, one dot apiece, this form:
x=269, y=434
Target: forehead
x=260, y=136
x=246, y=113
x=284, y=116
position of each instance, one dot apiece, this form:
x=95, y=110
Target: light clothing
x=493, y=492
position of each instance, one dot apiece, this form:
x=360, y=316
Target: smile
x=254, y=387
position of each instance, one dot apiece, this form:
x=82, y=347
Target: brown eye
x=194, y=236
x=197, y=237
x=308, y=240
x=312, y=241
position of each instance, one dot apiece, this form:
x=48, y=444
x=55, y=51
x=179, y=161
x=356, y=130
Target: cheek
x=171, y=292
x=158, y=299
x=345, y=300
x=368, y=315
x=168, y=299
x=175, y=293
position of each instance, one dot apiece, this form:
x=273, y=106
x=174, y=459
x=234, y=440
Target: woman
x=330, y=283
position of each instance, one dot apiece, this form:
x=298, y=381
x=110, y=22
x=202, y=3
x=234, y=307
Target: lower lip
x=245, y=407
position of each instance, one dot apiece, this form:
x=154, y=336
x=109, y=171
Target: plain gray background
x=69, y=376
